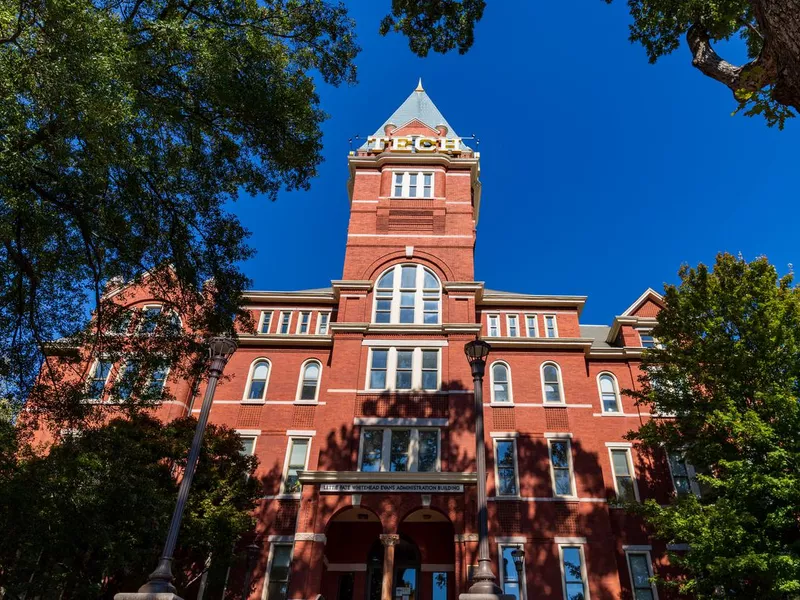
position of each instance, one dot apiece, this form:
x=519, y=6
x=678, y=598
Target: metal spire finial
x=419, y=86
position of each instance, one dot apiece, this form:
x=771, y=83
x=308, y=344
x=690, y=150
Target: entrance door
x=405, y=585
x=406, y=570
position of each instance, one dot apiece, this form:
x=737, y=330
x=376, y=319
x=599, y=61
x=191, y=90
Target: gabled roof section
x=417, y=107
x=643, y=307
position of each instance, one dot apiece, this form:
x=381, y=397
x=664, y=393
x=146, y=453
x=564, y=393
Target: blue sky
x=601, y=173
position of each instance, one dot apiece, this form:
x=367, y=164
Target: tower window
x=408, y=294
x=413, y=184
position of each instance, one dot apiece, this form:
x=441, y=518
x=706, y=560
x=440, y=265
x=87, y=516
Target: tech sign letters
x=380, y=143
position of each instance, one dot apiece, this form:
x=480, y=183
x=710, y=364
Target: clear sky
x=601, y=173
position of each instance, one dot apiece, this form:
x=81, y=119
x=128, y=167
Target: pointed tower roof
x=418, y=106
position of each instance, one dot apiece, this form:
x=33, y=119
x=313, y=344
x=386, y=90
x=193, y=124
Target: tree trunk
x=779, y=21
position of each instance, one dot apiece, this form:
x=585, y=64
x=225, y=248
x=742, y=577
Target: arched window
x=259, y=376
x=609, y=394
x=408, y=294
x=551, y=383
x=501, y=382
x=309, y=380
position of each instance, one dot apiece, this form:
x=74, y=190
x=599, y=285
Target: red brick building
x=357, y=399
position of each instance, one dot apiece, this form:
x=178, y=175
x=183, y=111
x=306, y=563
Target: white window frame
x=416, y=370
x=497, y=493
x=272, y=545
x=413, y=452
x=491, y=384
x=648, y=332
x=523, y=586
x=489, y=327
x=649, y=559
x=285, y=472
x=690, y=473
x=149, y=380
x=545, y=401
x=615, y=383
x=248, y=381
x=419, y=295
x=141, y=322
x=318, y=328
x=406, y=184
x=280, y=322
x=570, y=466
x=629, y=454
x=300, y=380
x=584, y=570
x=555, y=326
x=249, y=436
x=535, y=318
x=515, y=319
x=93, y=371
x=261, y=319
x=299, y=326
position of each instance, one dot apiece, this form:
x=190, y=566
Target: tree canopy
x=74, y=528
x=729, y=372
x=768, y=85
x=125, y=127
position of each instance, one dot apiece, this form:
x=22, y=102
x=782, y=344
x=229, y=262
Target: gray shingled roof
x=598, y=334
x=418, y=106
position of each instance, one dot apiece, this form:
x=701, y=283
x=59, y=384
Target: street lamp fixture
x=159, y=583
x=484, y=585
x=518, y=555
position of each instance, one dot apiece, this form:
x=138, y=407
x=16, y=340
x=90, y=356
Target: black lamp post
x=253, y=551
x=159, y=583
x=518, y=554
x=484, y=585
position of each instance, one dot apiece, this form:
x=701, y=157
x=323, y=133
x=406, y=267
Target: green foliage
x=91, y=515
x=729, y=371
x=124, y=129
x=660, y=25
x=438, y=25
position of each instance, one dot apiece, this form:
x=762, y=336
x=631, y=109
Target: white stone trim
x=285, y=539
x=248, y=432
x=504, y=434
x=310, y=537
x=569, y=540
x=637, y=548
x=406, y=343
x=557, y=435
x=301, y=432
x=619, y=444
x=465, y=537
x=511, y=539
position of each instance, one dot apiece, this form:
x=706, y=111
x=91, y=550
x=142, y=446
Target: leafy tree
x=125, y=126
x=91, y=515
x=768, y=85
x=729, y=370
x=439, y=25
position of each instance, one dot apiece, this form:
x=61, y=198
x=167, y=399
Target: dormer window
x=413, y=184
x=407, y=294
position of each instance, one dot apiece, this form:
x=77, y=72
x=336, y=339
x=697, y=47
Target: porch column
x=389, y=541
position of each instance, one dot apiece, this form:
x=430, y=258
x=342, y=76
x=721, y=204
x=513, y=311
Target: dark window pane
x=379, y=359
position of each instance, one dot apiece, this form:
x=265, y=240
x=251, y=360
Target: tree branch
x=752, y=76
